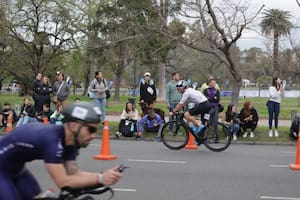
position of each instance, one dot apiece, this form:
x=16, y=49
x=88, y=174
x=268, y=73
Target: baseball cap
x=147, y=74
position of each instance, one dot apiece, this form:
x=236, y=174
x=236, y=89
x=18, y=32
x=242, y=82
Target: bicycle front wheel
x=216, y=136
x=174, y=135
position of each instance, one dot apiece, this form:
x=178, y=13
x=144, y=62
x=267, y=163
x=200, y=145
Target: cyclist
x=194, y=102
x=58, y=146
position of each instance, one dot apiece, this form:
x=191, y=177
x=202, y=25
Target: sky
x=255, y=39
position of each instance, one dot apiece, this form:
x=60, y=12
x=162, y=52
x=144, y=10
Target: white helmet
x=181, y=83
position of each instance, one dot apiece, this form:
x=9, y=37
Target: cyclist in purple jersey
x=58, y=146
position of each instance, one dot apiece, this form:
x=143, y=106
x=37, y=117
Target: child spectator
x=232, y=121
x=27, y=114
x=249, y=119
x=5, y=113
x=127, y=125
x=151, y=122
x=57, y=117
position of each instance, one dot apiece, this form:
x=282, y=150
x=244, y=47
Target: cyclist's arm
x=71, y=176
x=178, y=107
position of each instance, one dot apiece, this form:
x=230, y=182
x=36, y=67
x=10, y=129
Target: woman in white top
x=275, y=93
x=129, y=117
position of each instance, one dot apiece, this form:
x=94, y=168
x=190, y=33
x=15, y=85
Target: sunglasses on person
x=91, y=129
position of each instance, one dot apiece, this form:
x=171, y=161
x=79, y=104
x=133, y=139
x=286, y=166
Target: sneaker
x=118, y=134
x=245, y=135
x=158, y=139
x=198, y=129
x=276, y=134
x=234, y=137
x=251, y=134
x=270, y=133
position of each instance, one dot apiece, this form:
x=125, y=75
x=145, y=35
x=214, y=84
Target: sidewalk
x=261, y=122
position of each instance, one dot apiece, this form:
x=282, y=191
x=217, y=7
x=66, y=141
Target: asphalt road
x=242, y=172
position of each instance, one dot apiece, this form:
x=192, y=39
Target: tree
x=277, y=23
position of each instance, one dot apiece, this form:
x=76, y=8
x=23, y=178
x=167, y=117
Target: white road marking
x=124, y=190
x=157, y=161
x=280, y=166
x=279, y=198
x=288, y=152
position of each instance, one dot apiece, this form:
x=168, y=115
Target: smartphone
x=283, y=83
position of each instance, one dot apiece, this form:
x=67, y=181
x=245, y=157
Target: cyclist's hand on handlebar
x=111, y=176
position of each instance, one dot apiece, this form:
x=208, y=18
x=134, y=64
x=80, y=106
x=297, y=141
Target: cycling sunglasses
x=91, y=129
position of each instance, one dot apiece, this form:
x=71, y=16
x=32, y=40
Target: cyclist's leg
x=8, y=188
x=201, y=108
x=27, y=185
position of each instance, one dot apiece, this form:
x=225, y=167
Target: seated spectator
x=27, y=114
x=151, y=122
x=127, y=125
x=231, y=120
x=46, y=112
x=5, y=113
x=249, y=118
x=294, y=129
x=57, y=117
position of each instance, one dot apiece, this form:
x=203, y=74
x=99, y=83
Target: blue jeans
x=273, y=109
x=102, y=103
x=214, y=117
x=234, y=128
x=26, y=120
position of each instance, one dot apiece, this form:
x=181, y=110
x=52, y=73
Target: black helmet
x=81, y=111
x=181, y=83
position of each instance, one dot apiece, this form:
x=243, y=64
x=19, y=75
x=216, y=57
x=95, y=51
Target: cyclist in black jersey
x=58, y=146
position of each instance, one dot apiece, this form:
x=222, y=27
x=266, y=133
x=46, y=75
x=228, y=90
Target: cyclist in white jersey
x=193, y=102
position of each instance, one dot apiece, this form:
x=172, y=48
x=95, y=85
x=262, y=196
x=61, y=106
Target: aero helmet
x=81, y=111
x=181, y=83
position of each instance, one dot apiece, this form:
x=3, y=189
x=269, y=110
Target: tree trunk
x=161, y=80
x=236, y=86
x=275, y=55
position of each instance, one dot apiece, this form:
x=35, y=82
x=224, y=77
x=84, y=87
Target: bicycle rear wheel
x=216, y=136
x=174, y=135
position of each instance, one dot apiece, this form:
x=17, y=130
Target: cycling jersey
x=24, y=144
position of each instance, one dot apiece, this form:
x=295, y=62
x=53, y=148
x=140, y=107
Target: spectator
x=249, y=119
x=151, y=122
x=27, y=114
x=5, y=113
x=294, y=129
x=127, y=125
x=172, y=95
x=275, y=93
x=231, y=120
x=61, y=89
x=98, y=86
x=205, y=84
x=36, y=84
x=46, y=112
x=57, y=117
x=43, y=93
x=147, y=93
x=213, y=96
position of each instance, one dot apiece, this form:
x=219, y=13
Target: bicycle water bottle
x=48, y=193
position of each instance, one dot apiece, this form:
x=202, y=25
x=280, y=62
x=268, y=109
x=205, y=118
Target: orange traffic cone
x=45, y=120
x=191, y=142
x=9, y=124
x=105, y=147
x=296, y=165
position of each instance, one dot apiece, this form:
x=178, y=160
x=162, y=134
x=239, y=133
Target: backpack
x=127, y=127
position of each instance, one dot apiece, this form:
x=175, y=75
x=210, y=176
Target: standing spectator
x=147, y=93
x=27, y=114
x=43, y=92
x=98, y=86
x=205, y=84
x=36, y=84
x=151, y=122
x=127, y=125
x=231, y=120
x=5, y=113
x=275, y=93
x=57, y=116
x=61, y=88
x=249, y=118
x=172, y=95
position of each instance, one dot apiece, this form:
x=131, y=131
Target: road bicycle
x=85, y=193
x=214, y=135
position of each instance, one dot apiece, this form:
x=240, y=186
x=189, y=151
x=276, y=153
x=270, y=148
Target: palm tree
x=277, y=23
